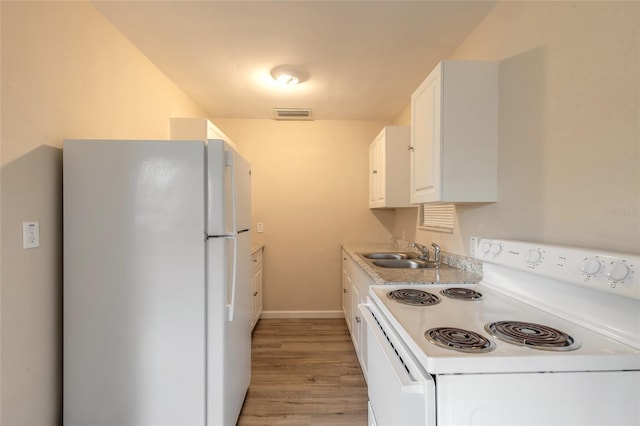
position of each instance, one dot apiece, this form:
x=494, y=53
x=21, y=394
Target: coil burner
x=414, y=297
x=459, y=339
x=461, y=293
x=532, y=335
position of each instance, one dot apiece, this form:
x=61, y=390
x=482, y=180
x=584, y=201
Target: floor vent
x=293, y=113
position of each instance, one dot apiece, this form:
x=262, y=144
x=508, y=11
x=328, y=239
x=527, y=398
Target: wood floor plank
x=304, y=372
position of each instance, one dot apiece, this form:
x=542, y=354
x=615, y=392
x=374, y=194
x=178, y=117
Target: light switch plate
x=473, y=245
x=30, y=234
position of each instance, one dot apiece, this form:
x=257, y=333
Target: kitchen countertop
x=470, y=272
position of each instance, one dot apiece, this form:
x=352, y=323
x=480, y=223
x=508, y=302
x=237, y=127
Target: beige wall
x=310, y=189
x=66, y=73
x=569, y=132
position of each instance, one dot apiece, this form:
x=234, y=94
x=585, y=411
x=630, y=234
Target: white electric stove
x=550, y=336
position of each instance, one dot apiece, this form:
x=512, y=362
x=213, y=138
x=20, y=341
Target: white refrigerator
x=157, y=298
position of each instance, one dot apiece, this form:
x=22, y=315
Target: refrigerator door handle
x=231, y=286
x=234, y=207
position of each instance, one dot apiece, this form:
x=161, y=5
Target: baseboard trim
x=302, y=314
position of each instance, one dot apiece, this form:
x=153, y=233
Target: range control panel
x=604, y=271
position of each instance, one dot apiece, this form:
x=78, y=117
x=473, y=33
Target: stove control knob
x=618, y=271
x=590, y=266
x=485, y=247
x=534, y=256
x=495, y=249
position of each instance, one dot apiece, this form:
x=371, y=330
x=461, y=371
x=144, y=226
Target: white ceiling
x=364, y=58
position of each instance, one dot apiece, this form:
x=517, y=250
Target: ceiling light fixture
x=287, y=75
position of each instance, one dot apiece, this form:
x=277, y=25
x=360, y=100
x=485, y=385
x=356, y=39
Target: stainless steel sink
x=404, y=263
x=390, y=255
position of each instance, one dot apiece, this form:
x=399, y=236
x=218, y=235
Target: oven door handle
x=395, y=355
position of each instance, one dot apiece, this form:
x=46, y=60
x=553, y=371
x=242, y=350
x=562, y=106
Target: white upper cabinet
x=389, y=168
x=196, y=129
x=454, y=134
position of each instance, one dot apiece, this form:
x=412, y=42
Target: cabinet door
x=346, y=295
x=256, y=281
x=426, y=110
x=259, y=289
x=373, y=174
x=253, y=300
x=381, y=167
x=377, y=171
x=363, y=337
x=256, y=286
x=356, y=323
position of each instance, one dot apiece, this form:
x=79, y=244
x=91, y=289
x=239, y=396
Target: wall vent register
x=292, y=113
x=437, y=217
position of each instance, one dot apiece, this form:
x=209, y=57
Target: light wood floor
x=304, y=372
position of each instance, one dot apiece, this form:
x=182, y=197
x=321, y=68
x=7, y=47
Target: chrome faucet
x=423, y=250
x=436, y=256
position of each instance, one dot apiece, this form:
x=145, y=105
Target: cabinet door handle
x=410, y=148
x=255, y=293
x=358, y=320
x=374, y=172
x=344, y=290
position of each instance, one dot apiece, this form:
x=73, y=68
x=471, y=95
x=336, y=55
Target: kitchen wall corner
x=57, y=84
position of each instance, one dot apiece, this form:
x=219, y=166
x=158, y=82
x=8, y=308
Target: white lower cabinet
x=256, y=285
x=347, y=283
x=356, y=320
x=346, y=294
x=355, y=287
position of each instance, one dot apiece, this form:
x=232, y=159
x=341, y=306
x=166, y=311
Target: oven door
x=400, y=392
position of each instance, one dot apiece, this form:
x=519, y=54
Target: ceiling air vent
x=293, y=113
